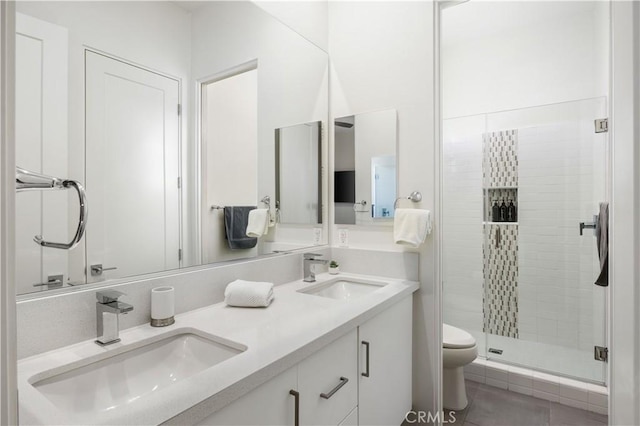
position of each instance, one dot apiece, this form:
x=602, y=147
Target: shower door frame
x=624, y=370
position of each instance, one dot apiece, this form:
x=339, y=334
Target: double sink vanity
x=337, y=351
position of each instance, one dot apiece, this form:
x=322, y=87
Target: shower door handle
x=589, y=225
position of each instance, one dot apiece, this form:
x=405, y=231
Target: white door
x=132, y=169
x=41, y=146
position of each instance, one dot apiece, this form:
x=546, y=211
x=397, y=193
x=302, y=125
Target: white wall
x=382, y=58
x=292, y=82
x=307, y=18
x=230, y=159
x=505, y=55
x=141, y=37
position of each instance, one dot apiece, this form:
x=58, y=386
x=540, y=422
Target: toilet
x=458, y=349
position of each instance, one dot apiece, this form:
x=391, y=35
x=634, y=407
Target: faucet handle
x=108, y=296
x=311, y=256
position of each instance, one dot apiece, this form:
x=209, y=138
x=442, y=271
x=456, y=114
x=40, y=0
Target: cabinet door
x=333, y=368
x=385, y=342
x=268, y=404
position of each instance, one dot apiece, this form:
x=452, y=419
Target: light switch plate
x=343, y=237
x=317, y=236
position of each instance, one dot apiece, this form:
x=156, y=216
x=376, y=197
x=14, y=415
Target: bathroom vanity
x=337, y=351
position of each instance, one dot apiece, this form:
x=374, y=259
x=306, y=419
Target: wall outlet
x=343, y=237
x=317, y=236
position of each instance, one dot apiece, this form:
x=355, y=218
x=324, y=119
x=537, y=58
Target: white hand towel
x=411, y=226
x=258, y=223
x=250, y=294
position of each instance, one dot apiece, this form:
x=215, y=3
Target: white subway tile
x=598, y=409
x=525, y=390
x=545, y=395
x=599, y=399
x=497, y=383
x=474, y=378
x=573, y=403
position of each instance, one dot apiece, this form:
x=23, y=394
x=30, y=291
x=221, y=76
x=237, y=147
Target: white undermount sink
x=121, y=379
x=343, y=288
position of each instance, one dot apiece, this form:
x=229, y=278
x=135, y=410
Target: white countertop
x=278, y=337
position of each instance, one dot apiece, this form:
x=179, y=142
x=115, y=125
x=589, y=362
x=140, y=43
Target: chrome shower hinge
x=602, y=125
x=600, y=353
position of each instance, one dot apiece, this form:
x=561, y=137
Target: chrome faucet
x=108, y=310
x=309, y=260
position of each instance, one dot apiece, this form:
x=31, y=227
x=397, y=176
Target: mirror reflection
x=298, y=174
x=365, y=178
x=173, y=177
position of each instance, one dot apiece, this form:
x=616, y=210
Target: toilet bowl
x=458, y=349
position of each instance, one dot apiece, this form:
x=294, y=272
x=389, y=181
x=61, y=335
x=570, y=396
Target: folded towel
x=602, y=235
x=258, y=223
x=235, y=226
x=250, y=294
x=411, y=226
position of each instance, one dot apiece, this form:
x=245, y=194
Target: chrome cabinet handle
x=82, y=220
x=366, y=373
x=343, y=381
x=296, y=414
x=97, y=269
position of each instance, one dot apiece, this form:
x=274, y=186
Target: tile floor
x=490, y=406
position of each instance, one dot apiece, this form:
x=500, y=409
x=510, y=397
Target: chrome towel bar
x=27, y=181
x=415, y=196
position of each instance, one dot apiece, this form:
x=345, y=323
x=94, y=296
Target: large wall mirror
x=165, y=112
x=365, y=176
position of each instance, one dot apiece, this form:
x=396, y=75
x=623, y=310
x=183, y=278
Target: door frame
x=8, y=340
x=624, y=297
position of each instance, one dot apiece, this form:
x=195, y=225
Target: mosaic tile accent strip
x=501, y=158
x=500, y=295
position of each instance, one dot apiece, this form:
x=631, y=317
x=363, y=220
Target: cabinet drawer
x=333, y=373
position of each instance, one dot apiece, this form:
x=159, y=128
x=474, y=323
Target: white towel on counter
x=248, y=294
x=258, y=223
x=411, y=226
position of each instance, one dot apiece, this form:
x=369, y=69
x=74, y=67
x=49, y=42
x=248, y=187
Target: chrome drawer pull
x=296, y=414
x=366, y=373
x=343, y=381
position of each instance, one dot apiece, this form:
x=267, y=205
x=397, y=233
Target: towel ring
x=266, y=200
x=415, y=196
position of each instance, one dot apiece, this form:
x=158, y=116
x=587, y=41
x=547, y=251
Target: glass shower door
x=544, y=172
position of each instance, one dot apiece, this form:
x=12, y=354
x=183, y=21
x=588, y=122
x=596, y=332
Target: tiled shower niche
x=500, y=248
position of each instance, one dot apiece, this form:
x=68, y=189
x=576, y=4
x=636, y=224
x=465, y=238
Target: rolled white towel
x=258, y=223
x=411, y=226
x=249, y=294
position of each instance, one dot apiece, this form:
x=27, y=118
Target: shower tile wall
x=556, y=298
x=462, y=228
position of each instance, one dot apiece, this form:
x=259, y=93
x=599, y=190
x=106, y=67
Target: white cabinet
x=385, y=366
x=363, y=377
x=328, y=382
x=268, y=404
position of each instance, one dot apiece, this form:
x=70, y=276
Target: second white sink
x=121, y=379
x=344, y=288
